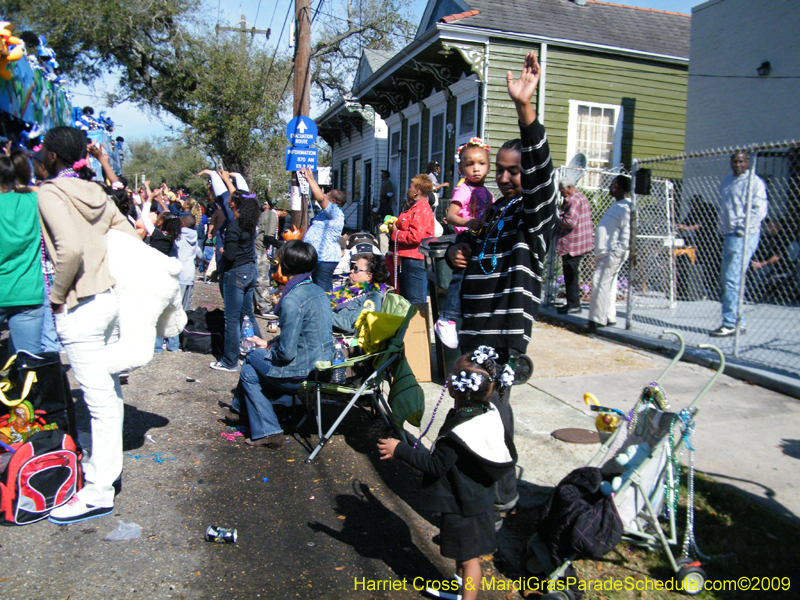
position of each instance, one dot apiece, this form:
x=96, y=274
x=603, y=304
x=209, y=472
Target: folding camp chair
x=385, y=362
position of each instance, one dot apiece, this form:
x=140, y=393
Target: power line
x=257, y=10
x=274, y=10
x=625, y=69
x=277, y=45
x=316, y=12
x=384, y=31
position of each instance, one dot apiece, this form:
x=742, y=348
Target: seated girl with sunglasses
x=364, y=290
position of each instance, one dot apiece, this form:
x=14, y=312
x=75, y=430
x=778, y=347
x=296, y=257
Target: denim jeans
x=25, y=326
x=731, y=274
x=239, y=287
x=322, y=275
x=413, y=280
x=451, y=307
x=251, y=395
x=85, y=332
x=173, y=344
x=50, y=341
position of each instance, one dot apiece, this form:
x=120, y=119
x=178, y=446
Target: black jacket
x=579, y=519
x=473, y=451
x=239, y=247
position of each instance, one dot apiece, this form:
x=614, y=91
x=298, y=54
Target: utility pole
x=302, y=79
x=243, y=30
x=302, y=58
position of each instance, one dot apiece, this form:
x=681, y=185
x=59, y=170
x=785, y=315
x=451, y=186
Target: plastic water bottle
x=338, y=376
x=247, y=332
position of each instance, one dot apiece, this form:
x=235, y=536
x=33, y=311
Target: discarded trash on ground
x=125, y=531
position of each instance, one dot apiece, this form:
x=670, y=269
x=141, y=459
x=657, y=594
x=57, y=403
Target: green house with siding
x=613, y=82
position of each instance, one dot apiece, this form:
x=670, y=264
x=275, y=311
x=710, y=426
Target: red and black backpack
x=43, y=473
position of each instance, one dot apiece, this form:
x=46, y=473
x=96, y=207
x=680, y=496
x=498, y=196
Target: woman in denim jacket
x=274, y=371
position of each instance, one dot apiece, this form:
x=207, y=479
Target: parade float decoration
x=33, y=98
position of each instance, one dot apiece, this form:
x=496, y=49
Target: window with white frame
x=394, y=124
x=466, y=118
x=437, y=105
x=394, y=144
x=596, y=131
x=437, y=138
x=343, y=175
x=466, y=93
x=413, y=149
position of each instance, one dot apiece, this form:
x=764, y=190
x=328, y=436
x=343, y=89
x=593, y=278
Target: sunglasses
x=355, y=269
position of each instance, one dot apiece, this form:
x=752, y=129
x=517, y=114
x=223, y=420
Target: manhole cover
x=576, y=436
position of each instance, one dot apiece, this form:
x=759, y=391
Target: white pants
x=85, y=331
x=603, y=305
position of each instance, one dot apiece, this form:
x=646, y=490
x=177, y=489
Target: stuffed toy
x=386, y=222
x=606, y=423
x=150, y=300
x=280, y=279
x=630, y=459
x=7, y=54
x=293, y=234
x=21, y=423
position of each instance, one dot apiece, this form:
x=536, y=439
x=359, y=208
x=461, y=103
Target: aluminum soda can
x=221, y=535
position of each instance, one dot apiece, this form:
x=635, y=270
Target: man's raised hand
x=522, y=90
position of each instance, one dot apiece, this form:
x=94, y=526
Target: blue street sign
x=301, y=157
x=302, y=132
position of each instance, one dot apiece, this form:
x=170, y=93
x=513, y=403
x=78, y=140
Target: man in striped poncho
x=504, y=264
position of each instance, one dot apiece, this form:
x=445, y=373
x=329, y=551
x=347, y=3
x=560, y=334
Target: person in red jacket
x=413, y=225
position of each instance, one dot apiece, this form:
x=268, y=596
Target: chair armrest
x=325, y=365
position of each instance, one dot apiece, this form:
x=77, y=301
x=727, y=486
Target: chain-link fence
x=740, y=291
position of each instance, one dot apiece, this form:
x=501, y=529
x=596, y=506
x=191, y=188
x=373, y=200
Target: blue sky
x=133, y=123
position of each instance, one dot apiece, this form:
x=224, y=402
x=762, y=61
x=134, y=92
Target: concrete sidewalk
x=746, y=436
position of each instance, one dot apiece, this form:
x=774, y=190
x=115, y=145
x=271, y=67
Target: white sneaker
x=220, y=367
x=77, y=510
x=450, y=590
x=446, y=330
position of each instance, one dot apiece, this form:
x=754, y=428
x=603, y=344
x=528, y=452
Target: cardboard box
x=418, y=346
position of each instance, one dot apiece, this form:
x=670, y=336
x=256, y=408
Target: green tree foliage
x=173, y=161
x=238, y=105
x=348, y=28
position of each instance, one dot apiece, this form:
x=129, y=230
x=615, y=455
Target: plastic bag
x=125, y=531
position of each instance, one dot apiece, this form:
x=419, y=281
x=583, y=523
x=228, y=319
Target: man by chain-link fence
x=678, y=252
x=736, y=252
x=611, y=245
